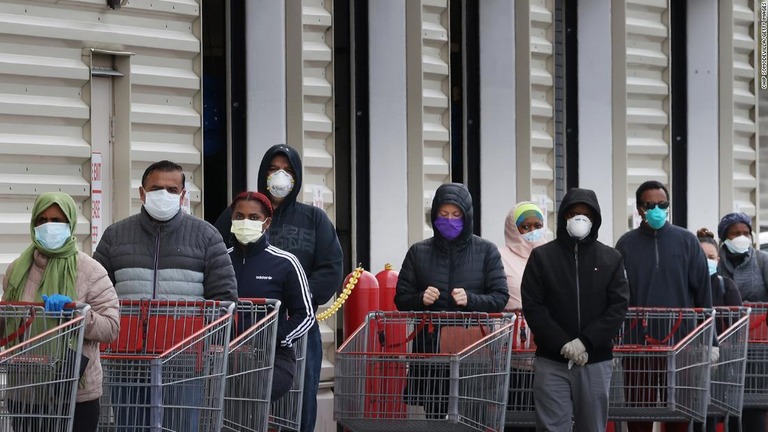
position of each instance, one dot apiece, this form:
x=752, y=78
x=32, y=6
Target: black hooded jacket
x=575, y=288
x=300, y=229
x=467, y=261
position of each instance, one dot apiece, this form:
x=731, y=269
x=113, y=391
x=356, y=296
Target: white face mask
x=280, y=184
x=738, y=245
x=161, y=204
x=247, y=231
x=579, y=226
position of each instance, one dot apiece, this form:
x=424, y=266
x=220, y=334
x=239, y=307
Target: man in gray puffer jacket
x=163, y=252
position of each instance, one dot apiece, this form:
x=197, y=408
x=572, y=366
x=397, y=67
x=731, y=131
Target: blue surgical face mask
x=712, y=264
x=656, y=217
x=535, y=235
x=52, y=235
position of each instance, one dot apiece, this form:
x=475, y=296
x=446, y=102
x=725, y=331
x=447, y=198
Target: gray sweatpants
x=581, y=392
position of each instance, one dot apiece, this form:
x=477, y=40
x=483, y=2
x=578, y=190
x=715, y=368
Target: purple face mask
x=449, y=228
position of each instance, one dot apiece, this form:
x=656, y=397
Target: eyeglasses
x=651, y=205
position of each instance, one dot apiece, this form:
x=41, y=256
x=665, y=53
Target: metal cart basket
x=40, y=365
x=756, y=380
x=727, y=375
x=662, y=366
x=520, y=405
x=431, y=371
x=251, y=364
x=167, y=369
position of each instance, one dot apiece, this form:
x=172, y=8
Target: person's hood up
x=294, y=158
x=457, y=194
x=579, y=196
x=514, y=240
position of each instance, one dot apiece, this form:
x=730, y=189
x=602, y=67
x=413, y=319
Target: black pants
x=86, y=417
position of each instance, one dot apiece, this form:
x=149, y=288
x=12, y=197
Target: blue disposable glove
x=56, y=302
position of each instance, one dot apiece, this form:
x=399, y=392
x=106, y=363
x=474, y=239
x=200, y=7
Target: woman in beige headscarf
x=523, y=231
x=53, y=271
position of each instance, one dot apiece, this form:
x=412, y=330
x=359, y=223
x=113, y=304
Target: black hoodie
x=467, y=261
x=300, y=229
x=575, y=288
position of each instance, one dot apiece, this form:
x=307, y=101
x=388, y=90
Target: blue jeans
x=314, y=362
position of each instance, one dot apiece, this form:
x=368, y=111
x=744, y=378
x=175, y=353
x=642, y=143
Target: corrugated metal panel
x=739, y=137
x=310, y=119
x=645, y=127
x=428, y=109
x=535, y=106
x=45, y=101
x=310, y=96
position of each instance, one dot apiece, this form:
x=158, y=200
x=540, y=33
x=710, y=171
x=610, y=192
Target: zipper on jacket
x=656, y=246
x=578, y=288
x=156, y=265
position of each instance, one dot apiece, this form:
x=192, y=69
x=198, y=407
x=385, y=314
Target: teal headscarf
x=61, y=272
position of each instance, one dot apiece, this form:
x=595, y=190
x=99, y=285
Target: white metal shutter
x=309, y=46
x=641, y=102
x=310, y=125
x=429, y=113
x=738, y=109
x=44, y=101
x=535, y=105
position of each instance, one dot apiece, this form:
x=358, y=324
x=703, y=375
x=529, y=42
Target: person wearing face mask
x=53, y=271
x=164, y=253
x=307, y=232
x=724, y=289
x=666, y=268
x=724, y=293
x=264, y=271
x=747, y=266
x=454, y=270
x=575, y=297
x=523, y=231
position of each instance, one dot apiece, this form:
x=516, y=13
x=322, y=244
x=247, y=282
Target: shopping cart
x=436, y=371
x=756, y=380
x=662, y=366
x=251, y=363
x=167, y=369
x=285, y=413
x=520, y=406
x=40, y=365
x=727, y=376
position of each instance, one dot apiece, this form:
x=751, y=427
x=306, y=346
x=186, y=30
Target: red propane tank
x=363, y=299
x=387, y=279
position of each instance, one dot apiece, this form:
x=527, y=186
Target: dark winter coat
x=467, y=261
x=575, y=288
x=665, y=268
x=183, y=258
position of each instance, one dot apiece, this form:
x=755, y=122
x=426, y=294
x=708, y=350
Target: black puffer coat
x=467, y=261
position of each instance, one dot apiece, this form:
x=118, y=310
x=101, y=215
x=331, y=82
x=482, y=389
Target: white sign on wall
x=96, y=199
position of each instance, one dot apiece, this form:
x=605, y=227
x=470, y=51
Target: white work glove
x=573, y=349
x=714, y=355
x=582, y=360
